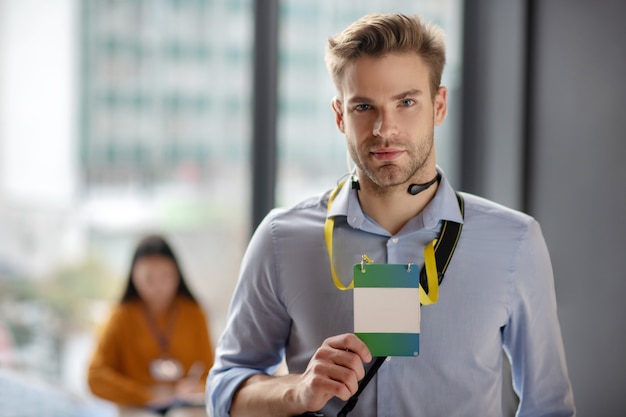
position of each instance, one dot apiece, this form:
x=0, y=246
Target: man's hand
x=334, y=371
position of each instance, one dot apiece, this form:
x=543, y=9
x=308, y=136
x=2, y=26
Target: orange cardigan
x=120, y=367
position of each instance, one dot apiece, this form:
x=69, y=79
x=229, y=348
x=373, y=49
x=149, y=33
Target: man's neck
x=393, y=208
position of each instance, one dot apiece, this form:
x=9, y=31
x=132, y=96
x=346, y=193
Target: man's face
x=388, y=116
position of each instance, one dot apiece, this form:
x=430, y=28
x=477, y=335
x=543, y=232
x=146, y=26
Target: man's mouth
x=386, y=154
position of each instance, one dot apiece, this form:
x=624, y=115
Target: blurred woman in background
x=155, y=351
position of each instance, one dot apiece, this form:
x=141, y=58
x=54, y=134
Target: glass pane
x=117, y=119
x=311, y=151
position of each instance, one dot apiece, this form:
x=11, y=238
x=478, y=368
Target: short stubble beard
x=392, y=175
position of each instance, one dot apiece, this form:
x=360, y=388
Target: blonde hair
x=378, y=34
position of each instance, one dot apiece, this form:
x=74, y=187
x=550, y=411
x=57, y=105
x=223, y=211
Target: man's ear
x=338, y=109
x=441, y=105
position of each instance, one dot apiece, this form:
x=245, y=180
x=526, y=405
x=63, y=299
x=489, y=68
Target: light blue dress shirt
x=498, y=292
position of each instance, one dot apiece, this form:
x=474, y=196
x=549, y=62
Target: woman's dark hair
x=154, y=245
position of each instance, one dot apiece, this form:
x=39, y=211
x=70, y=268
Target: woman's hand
x=162, y=396
x=190, y=390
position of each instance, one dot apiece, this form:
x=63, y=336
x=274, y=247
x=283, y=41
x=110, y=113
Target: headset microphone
x=355, y=183
x=415, y=189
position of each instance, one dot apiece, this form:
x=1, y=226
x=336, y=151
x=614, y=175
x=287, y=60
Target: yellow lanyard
x=429, y=258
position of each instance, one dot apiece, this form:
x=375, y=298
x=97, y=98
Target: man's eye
x=407, y=102
x=362, y=107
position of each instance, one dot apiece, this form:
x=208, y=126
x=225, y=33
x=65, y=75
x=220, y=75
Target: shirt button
x=394, y=240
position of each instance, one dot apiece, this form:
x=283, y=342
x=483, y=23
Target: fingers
x=352, y=343
x=186, y=385
x=325, y=380
x=335, y=369
x=346, y=356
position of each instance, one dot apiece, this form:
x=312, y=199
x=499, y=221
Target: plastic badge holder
x=387, y=308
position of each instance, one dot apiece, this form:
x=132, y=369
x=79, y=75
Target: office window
x=118, y=119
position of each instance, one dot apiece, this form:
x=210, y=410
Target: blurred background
x=124, y=117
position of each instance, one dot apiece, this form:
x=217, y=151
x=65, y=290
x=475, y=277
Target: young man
x=498, y=291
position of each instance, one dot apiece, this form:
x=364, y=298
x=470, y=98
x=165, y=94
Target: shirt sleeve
x=532, y=337
x=258, y=325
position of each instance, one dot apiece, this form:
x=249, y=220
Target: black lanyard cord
x=368, y=376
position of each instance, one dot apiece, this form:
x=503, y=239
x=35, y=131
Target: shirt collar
x=443, y=206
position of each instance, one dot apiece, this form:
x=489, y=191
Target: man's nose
x=385, y=125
